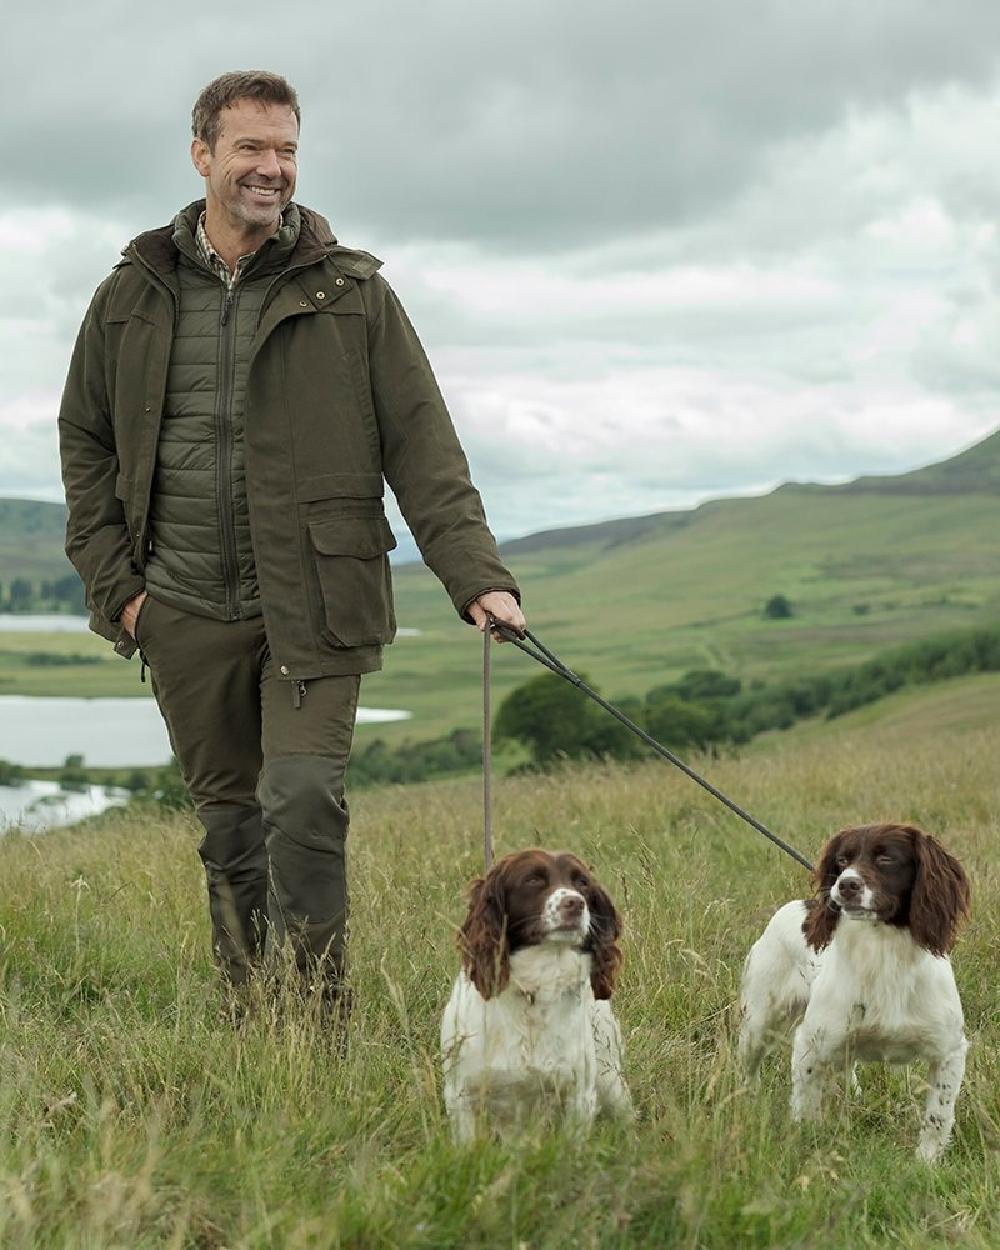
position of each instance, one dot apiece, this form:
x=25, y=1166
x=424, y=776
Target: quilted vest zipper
x=224, y=449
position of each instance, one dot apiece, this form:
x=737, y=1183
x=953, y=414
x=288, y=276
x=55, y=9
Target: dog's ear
x=482, y=939
x=941, y=894
x=821, y=918
x=602, y=941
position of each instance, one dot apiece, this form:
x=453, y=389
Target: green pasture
x=864, y=572
x=133, y=1115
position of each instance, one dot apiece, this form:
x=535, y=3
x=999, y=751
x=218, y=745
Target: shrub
x=778, y=608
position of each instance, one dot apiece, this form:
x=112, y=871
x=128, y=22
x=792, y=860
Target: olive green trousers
x=264, y=761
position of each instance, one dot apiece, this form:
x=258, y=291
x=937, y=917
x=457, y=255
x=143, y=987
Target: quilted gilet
x=201, y=555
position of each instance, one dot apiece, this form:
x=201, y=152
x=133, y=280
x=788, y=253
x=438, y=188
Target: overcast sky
x=657, y=250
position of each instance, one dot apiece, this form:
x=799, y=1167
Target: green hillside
x=31, y=540
x=958, y=706
x=634, y=603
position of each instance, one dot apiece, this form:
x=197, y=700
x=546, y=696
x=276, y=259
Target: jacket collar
x=158, y=250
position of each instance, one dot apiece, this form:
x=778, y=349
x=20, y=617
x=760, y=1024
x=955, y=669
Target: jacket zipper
x=224, y=449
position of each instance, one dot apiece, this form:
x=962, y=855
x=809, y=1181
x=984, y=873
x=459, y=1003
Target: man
x=241, y=386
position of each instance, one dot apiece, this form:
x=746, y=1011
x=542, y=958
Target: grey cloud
x=540, y=125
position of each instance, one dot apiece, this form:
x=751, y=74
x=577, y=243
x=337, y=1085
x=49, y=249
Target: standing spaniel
x=529, y=1028
x=865, y=967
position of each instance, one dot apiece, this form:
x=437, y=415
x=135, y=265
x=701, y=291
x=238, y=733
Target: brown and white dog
x=529, y=1028
x=864, y=966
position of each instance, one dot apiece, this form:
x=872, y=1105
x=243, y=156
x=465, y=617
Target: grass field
x=131, y=1116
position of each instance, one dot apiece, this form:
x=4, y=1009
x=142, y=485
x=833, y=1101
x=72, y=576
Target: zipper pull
x=142, y=668
x=298, y=693
x=227, y=303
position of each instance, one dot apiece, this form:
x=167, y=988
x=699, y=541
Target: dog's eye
x=842, y=861
x=884, y=858
x=581, y=881
x=537, y=878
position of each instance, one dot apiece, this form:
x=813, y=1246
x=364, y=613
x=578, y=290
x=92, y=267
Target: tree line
x=59, y=594
x=707, y=708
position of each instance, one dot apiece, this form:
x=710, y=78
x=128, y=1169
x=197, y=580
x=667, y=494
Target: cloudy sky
x=658, y=250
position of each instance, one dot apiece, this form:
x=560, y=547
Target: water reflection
x=36, y=805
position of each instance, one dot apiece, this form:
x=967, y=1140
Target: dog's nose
x=849, y=888
x=571, y=906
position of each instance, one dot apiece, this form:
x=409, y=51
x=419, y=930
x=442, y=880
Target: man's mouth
x=261, y=193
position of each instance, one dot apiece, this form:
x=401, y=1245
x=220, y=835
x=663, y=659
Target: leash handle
x=540, y=653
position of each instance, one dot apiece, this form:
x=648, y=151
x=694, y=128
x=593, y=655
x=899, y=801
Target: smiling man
x=242, y=387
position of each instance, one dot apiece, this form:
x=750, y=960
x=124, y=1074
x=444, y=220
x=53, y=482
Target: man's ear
x=201, y=156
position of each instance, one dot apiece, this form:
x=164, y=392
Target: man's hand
x=131, y=611
x=502, y=606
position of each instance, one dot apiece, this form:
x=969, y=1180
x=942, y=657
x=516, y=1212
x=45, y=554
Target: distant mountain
x=976, y=470
x=31, y=540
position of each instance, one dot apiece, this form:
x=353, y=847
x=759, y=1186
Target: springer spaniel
x=864, y=966
x=529, y=1026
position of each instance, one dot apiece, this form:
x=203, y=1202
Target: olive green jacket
x=340, y=398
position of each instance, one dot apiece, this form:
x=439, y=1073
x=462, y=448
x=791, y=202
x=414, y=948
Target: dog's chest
x=545, y=1031
x=892, y=1013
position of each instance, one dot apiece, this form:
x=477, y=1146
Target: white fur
x=872, y=994
x=544, y=1043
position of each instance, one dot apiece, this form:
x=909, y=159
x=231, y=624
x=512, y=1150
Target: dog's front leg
x=613, y=1097
x=812, y=1054
x=463, y=1120
x=944, y=1079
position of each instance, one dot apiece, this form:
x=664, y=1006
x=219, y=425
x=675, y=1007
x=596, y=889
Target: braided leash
x=542, y=655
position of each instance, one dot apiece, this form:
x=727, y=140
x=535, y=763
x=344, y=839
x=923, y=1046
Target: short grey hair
x=240, y=84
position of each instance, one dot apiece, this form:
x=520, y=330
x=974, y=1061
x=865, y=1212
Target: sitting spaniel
x=529, y=1028
x=864, y=966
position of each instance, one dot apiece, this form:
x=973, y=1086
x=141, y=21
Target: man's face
x=250, y=175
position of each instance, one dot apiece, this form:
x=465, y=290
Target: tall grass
x=133, y=1114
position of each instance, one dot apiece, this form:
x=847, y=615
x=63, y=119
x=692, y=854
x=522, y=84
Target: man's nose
x=268, y=165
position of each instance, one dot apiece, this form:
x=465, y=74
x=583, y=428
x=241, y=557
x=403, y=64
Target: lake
x=38, y=805
x=13, y=622
x=109, y=733
x=39, y=732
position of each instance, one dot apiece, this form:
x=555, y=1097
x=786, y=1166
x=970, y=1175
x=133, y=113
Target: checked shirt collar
x=218, y=266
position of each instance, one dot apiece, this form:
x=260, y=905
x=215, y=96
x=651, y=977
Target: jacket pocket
x=353, y=568
x=140, y=623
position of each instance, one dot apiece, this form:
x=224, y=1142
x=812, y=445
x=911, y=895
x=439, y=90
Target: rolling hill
x=635, y=602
